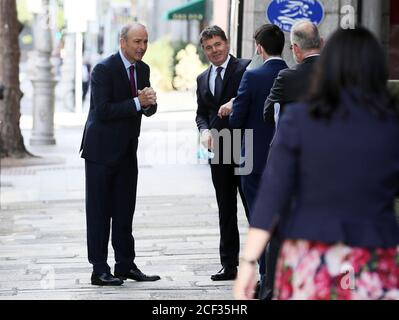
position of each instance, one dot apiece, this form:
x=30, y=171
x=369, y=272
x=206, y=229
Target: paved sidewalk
x=43, y=253
x=42, y=222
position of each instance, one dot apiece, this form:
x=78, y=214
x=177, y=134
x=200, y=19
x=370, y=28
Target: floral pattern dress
x=309, y=270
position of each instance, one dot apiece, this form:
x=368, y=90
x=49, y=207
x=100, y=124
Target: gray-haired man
x=121, y=94
x=292, y=84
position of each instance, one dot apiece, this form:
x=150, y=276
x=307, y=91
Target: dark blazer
x=290, y=86
x=113, y=121
x=208, y=107
x=341, y=178
x=248, y=109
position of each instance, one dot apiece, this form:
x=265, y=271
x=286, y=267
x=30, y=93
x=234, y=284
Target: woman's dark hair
x=352, y=61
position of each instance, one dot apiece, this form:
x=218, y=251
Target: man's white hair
x=126, y=28
x=306, y=35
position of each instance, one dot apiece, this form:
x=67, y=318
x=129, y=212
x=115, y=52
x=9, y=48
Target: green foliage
x=24, y=15
x=188, y=68
x=177, y=46
x=27, y=39
x=160, y=58
x=60, y=22
x=174, y=66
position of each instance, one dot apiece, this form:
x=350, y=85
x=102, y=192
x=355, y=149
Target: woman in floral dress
x=330, y=183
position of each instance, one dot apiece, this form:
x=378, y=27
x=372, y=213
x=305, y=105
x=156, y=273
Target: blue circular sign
x=285, y=13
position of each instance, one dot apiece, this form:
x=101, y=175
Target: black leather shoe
x=105, y=279
x=225, y=274
x=136, y=274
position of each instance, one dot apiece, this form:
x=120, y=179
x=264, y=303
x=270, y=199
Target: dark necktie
x=133, y=81
x=218, y=84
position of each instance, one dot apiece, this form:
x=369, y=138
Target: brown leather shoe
x=225, y=274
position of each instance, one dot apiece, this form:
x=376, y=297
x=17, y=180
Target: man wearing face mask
x=121, y=93
x=215, y=87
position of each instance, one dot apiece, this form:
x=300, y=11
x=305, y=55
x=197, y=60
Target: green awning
x=194, y=10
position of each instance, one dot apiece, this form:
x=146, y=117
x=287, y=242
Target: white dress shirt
x=273, y=58
x=214, y=73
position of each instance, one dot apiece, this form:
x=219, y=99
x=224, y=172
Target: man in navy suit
x=247, y=110
x=215, y=87
x=121, y=94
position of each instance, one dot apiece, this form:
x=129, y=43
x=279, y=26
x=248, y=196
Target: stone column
x=372, y=16
x=43, y=82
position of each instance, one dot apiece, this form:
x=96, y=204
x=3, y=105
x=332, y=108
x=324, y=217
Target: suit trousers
x=111, y=200
x=250, y=186
x=226, y=184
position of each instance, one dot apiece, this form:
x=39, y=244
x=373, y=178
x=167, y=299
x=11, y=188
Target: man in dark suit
x=247, y=111
x=121, y=94
x=215, y=87
x=290, y=86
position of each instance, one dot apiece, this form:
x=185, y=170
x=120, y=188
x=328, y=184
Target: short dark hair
x=212, y=31
x=271, y=38
x=352, y=62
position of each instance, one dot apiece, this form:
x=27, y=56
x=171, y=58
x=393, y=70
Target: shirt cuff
x=138, y=105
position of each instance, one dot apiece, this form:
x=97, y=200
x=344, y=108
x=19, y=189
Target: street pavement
x=42, y=223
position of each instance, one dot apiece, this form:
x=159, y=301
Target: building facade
x=380, y=16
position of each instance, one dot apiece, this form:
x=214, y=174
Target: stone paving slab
x=43, y=251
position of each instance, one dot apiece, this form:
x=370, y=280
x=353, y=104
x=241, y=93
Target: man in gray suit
x=293, y=84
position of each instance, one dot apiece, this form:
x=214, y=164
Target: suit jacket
x=248, y=109
x=341, y=185
x=208, y=107
x=290, y=86
x=113, y=123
